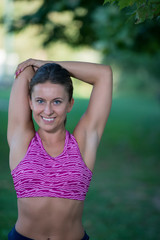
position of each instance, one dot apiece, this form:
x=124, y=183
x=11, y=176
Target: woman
x=52, y=168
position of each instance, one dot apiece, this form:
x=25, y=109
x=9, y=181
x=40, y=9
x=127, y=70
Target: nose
x=48, y=109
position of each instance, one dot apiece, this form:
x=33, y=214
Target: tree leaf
x=123, y=3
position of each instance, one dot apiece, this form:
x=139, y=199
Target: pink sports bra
x=40, y=175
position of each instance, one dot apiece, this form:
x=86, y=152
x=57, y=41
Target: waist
x=49, y=216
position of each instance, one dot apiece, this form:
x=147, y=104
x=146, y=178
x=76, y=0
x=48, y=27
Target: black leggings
x=14, y=235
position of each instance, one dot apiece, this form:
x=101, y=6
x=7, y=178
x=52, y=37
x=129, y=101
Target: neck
x=51, y=137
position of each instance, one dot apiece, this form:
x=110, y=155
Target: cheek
x=36, y=113
x=33, y=105
x=60, y=112
x=36, y=109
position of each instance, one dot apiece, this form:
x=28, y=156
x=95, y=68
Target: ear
x=70, y=105
x=30, y=103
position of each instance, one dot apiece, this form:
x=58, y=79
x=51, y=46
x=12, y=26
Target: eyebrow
x=57, y=98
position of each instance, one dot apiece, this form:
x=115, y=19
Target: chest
x=55, y=149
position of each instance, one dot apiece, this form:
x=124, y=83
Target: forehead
x=49, y=90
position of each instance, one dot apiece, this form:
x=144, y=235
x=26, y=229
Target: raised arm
x=100, y=76
x=19, y=115
x=90, y=128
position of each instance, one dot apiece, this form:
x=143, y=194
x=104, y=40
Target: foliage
x=141, y=9
x=115, y=33
x=91, y=23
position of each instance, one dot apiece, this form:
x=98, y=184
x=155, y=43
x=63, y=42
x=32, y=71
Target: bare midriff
x=44, y=218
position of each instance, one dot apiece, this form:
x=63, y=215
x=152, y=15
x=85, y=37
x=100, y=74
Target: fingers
x=22, y=66
x=30, y=62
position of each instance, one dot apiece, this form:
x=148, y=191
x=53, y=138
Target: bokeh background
x=123, y=202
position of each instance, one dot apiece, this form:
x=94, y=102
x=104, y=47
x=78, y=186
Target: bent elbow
x=109, y=73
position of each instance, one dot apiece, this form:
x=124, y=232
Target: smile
x=48, y=119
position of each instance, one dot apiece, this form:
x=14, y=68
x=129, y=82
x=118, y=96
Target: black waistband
x=14, y=235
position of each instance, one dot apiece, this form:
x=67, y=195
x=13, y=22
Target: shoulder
x=71, y=140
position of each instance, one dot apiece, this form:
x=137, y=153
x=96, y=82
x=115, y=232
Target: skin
x=55, y=218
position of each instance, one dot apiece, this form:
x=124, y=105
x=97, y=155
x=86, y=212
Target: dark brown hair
x=55, y=74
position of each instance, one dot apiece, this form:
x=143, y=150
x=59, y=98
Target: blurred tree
x=140, y=9
x=102, y=26
x=81, y=22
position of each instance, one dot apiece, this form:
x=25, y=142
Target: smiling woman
x=52, y=168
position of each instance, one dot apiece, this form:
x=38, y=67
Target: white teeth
x=48, y=119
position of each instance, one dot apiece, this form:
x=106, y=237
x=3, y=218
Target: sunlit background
x=123, y=202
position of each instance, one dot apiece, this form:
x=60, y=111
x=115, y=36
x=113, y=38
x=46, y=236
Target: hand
x=30, y=62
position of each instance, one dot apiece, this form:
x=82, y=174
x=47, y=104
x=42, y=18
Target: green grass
x=123, y=202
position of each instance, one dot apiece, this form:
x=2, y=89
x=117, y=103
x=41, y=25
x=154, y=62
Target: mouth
x=48, y=119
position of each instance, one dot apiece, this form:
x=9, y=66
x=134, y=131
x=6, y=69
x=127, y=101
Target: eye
x=57, y=102
x=40, y=101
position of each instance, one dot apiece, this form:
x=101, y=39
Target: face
x=50, y=105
